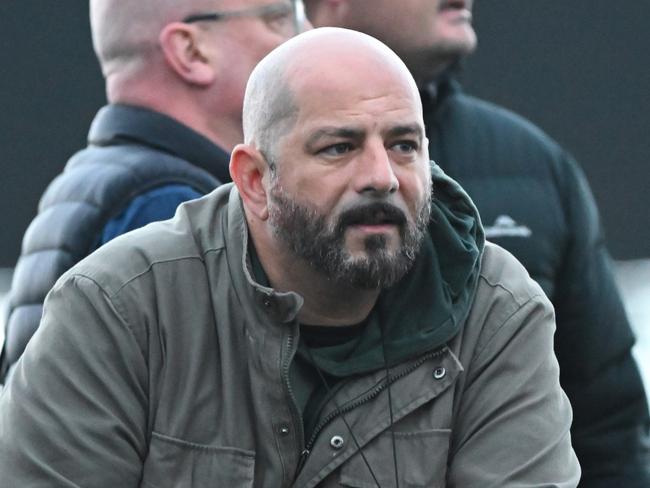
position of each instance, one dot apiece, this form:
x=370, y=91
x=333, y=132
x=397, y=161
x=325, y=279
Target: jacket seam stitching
x=202, y=447
x=509, y=291
x=148, y=269
x=534, y=298
x=119, y=308
x=162, y=261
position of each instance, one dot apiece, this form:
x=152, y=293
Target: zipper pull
x=301, y=461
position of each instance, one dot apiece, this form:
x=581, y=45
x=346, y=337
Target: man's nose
x=376, y=171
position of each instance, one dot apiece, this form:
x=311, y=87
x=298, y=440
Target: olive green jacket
x=160, y=363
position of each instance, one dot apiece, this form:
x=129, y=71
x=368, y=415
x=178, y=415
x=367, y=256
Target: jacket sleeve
x=594, y=348
x=74, y=412
x=512, y=425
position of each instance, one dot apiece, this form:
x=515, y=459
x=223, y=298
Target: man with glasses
x=535, y=202
x=175, y=74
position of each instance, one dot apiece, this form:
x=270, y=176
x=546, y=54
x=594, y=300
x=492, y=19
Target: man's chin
x=458, y=41
x=371, y=276
x=363, y=243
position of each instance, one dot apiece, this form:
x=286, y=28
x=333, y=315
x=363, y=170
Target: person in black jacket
x=535, y=201
x=175, y=77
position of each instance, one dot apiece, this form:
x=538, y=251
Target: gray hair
x=126, y=31
x=270, y=109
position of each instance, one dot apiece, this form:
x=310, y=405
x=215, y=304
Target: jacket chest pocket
x=421, y=461
x=174, y=463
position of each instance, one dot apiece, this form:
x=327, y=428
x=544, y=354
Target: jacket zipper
x=366, y=398
x=297, y=417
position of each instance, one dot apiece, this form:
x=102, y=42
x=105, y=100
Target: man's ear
x=250, y=172
x=182, y=46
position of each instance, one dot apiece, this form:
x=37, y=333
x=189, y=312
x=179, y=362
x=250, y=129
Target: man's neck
x=425, y=67
x=224, y=130
x=332, y=304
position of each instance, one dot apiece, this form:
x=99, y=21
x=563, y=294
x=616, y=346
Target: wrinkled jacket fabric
x=130, y=151
x=535, y=202
x=160, y=362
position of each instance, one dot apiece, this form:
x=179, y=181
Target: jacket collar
x=117, y=124
x=434, y=93
x=282, y=307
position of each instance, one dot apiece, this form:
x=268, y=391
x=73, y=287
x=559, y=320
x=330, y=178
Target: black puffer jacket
x=534, y=201
x=130, y=151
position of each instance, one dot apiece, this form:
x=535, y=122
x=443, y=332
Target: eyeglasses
x=278, y=16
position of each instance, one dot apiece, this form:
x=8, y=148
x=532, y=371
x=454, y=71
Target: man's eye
x=337, y=149
x=405, y=147
x=279, y=16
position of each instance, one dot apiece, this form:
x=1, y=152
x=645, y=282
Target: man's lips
x=378, y=214
x=456, y=11
x=378, y=218
x=373, y=229
x=377, y=222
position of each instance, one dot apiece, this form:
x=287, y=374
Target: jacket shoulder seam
x=150, y=266
x=506, y=320
x=119, y=308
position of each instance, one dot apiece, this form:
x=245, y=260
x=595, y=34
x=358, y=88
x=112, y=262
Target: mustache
x=371, y=214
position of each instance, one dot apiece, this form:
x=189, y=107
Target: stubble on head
x=125, y=32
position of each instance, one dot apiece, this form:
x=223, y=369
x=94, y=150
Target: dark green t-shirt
x=310, y=387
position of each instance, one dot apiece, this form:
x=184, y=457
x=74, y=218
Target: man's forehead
x=362, y=109
x=341, y=86
x=359, y=131
x=325, y=105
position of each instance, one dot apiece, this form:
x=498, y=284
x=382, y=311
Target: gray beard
x=308, y=236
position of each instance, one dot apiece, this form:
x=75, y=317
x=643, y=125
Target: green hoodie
x=425, y=309
x=417, y=315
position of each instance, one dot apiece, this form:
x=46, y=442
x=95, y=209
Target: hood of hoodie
x=425, y=309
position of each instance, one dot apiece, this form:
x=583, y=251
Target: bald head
x=126, y=31
x=328, y=59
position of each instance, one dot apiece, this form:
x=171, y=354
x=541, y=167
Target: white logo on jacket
x=505, y=226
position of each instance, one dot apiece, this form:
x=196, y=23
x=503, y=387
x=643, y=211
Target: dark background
x=578, y=68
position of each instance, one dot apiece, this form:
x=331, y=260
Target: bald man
x=536, y=203
x=327, y=320
x=175, y=75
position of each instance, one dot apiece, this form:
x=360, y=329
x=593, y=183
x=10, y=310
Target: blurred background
x=577, y=69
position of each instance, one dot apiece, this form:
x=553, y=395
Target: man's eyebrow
x=406, y=129
x=335, y=132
